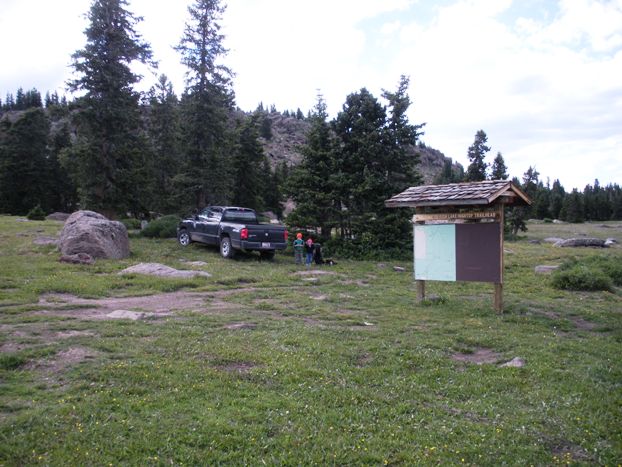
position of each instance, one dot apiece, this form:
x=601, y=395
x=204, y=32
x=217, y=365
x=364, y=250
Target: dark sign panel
x=478, y=252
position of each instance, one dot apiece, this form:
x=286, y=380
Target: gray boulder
x=582, y=242
x=91, y=233
x=553, y=240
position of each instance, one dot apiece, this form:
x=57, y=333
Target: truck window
x=242, y=217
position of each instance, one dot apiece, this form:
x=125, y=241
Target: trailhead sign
x=458, y=231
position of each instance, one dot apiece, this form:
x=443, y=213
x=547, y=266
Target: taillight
x=285, y=235
x=244, y=234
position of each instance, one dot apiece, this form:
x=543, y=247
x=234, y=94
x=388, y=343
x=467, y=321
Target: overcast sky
x=542, y=78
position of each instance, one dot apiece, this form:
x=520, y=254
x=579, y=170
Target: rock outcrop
x=582, y=242
x=91, y=233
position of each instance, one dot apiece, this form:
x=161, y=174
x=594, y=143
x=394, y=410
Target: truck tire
x=267, y=254
x=183, y=237
x=226, y=249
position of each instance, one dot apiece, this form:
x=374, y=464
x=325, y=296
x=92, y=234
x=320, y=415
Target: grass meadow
x=269, y=363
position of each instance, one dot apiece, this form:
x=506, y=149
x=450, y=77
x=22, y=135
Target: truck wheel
x=267, y=254
x=226, y=250
x=183, y=238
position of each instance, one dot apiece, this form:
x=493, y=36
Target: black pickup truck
x=232, y=228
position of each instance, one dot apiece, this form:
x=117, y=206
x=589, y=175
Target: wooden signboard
x=458, y=231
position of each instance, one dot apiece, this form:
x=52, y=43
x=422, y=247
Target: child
x=299, y=246
x=309, y=251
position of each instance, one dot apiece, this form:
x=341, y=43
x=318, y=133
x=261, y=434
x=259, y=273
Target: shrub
x=591, y=273
x=131, y=224
x=36, y=214
x=164, y=227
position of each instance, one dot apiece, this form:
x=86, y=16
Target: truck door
x=211, y=226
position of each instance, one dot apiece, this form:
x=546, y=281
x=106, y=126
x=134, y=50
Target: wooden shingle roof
x=460, y=194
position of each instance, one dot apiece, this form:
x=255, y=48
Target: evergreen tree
x=448, y=174
x=206, y=103
x=311, y=183
x=541, y=202
x=23, y=154
x=265, y=126
x=20, y=100
x=373, y=163
x=107, y=160
x=556, y=199
x=573, y=209
x=359, y=176
x=476, y=171
x=61, y=192
x=498, y=170
x=248, y=162
x=165, y=136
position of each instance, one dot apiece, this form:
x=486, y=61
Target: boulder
x=610, y=241
x=553, y=240
x=582, y=242
x=91, y=233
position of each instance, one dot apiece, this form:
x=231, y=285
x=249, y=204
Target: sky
x=542, y=78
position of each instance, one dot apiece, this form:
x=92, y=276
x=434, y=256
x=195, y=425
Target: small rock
x=544, y=269
x=398, y=269
x=534, y=242
x=78, y=258
x=157, y=269
x=381, y=265
x=611, y=241
x=58, y=216
x=126, y=314
x=516, y=362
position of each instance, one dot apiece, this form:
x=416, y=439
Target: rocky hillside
x=289, y=133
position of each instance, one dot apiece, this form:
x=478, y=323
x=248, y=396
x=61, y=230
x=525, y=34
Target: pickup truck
x=232, y=229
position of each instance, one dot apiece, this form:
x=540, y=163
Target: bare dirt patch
x=53, y=368
x=152, y=306
x=479, y=356
x=237, y=367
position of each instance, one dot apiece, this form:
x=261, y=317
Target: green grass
x=344, y=369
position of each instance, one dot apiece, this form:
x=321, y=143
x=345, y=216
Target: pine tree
x=311, y=185
x=23, y=154
x=109, y=155
x=206, y=103
x=556, y=199
x=476, y=171
x=61, y=192
x=573, y=208
x=248, y=163
x=498, y=170
x=165, y=136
